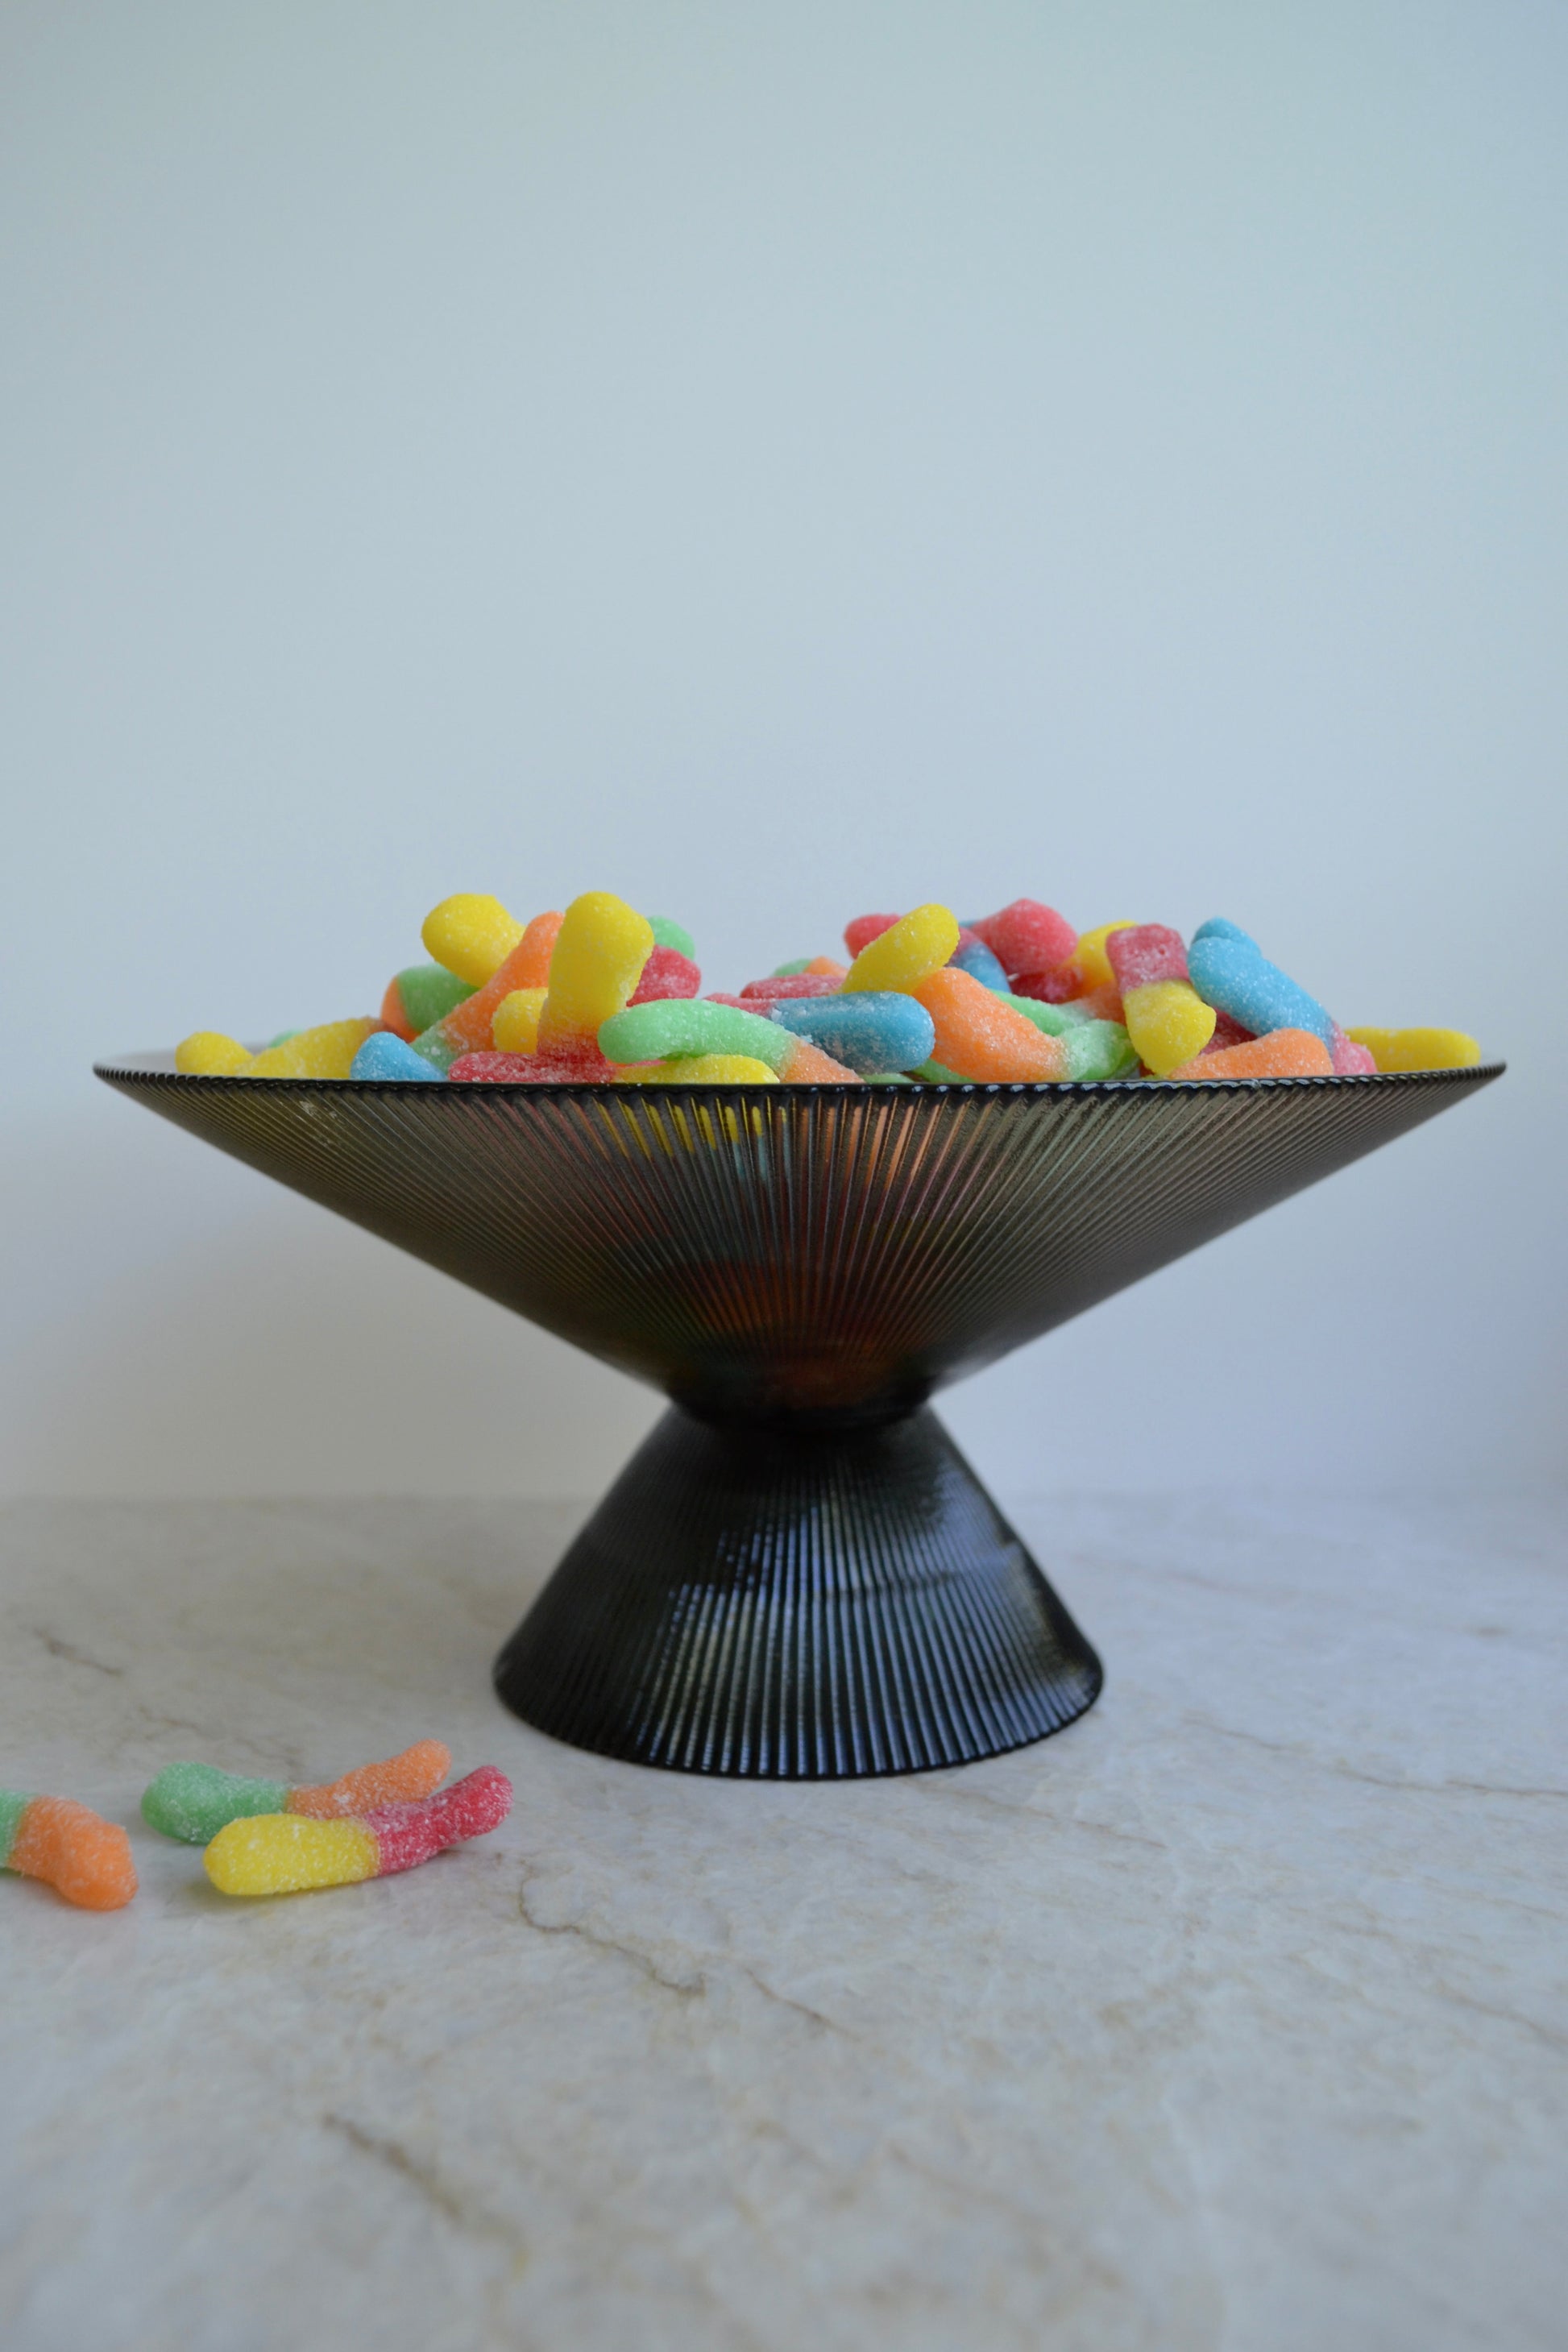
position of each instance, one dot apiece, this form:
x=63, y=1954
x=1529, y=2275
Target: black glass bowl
x=797, y=1575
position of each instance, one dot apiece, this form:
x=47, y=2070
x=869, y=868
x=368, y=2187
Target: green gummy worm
x=193, y=1801
x=672, y=1027
x=667, y=934
x=790, y=970
x=1100, y=1049
x=14, y=1803
x=429, y=992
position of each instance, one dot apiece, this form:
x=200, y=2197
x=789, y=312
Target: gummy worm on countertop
x=193, y=1801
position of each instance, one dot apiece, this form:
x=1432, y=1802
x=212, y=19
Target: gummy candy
x=675, y=1026
x=1282, y=1054
x=417, y=999
x=284, y=1853
x=471, y=935
x=667, y=934
x=515, y=1029
x=971, y=955
x=1418, y=1049
x=207, y=1054
x=385, y=1056
x=702, y=1070
x=468, y=1028
x=873, y=1030
x=1231, y=971
x=864, y=929
x=907, y=952
x=1165, y=1017
x=75, y=1850
x=980, y=1038
x=1027, y=938
x=585, y=1068
x=1351, y=1060
x=193, y=1801
x=324, y=1053
x=597, y=961
x=666, y=972
x=779, y=987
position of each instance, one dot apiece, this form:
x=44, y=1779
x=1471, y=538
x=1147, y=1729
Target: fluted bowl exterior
x=797, y=1253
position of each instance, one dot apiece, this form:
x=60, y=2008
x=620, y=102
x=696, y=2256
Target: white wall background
x=772, y=461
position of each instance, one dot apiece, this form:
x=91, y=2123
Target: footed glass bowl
x=797, y=1576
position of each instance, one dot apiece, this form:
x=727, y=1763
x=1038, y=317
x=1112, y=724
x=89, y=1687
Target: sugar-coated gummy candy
x=1231, y=973
x=594, y=969
x=808, y=1065
x=72, y=1849
x=667, y=934
x=193, y=1801
x=971, y=955
x=1419, y=1049
x=207, y=1054
x=587, y=1068
x=327, y=1052
x=983, y=1039
x=779, y=987
x=676, y=1027
x=1282, y=1054
x=471, y=934
x=859, y=932
x=1351, y=1060
x=701, y=1070
x=385, y=1056
x=1099, y=1050
x=1027, y=937
x=515, y=1029
x=666, y=972
x=469, y=1027
x=907, y=952
x=419, y=997
x=873, y=1030
x=286, y=1853
x=1167, y=1020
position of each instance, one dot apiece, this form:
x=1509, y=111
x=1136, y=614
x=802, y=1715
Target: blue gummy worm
x=1234, y=976
x=387, y=1057
x=871, y=1030
x=975, y=957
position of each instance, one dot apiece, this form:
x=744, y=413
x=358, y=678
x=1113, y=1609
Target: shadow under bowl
x=797, y=1576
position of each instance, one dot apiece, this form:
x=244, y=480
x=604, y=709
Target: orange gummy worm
x=87, y=1858
x=402, y=1780
x=467, y=1026
x=1283, y=1053
x=980, y=1037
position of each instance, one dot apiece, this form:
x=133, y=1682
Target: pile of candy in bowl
x=603, y=996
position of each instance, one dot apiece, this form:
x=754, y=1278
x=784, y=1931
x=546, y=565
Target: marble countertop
x=1234, y=2017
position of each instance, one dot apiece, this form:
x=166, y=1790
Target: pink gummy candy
x=1351, y=1061
x=666, y=972
x=1145, y=954
x=798, y=983
x=865, y=928
x=576, y=1069
x=1226, y=1032
x=1027, y=937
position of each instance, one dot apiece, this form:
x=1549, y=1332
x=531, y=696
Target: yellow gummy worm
x=915, y=946
x=208, y=1054
x=282, y=1853
x=1091, y=959
x=471, y=935
x=1168, y=1023
x=324, y=1053
x=1419, y=1049
x=594, y=966
x=702, y=1070
x=515, y=1028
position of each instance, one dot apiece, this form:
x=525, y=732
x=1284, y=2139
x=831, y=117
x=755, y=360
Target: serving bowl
x=797, y=1575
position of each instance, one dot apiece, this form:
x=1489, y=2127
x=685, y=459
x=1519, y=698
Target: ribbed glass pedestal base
x=783, y=1605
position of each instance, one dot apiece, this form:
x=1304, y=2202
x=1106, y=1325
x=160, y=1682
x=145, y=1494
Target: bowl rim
x=143, y=1068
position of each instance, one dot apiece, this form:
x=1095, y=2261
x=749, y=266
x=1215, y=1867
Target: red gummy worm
x=406, y=1836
